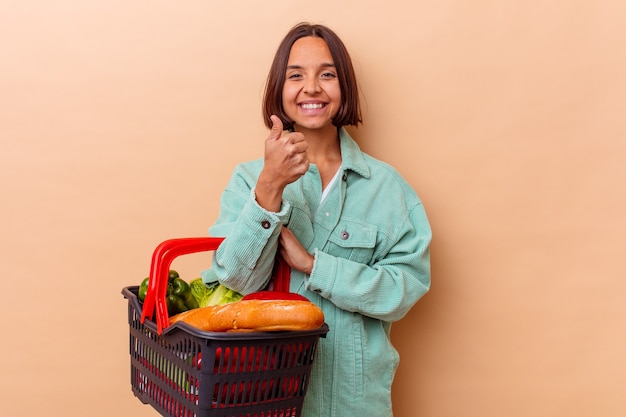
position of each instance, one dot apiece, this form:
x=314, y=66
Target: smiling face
x=311, y=93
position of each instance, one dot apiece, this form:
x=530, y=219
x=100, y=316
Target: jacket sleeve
x=244, y=260
x=389, y=287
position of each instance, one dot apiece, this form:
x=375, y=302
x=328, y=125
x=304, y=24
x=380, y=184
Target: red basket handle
x=162, y=258
x=282, y=275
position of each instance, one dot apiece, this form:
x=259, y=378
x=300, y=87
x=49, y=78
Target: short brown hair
x=350, y=110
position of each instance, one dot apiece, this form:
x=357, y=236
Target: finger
x=284, y=254
x=277, y=127
x=297, y=141
x=281, y=237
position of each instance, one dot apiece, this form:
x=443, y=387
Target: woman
x=354, y=233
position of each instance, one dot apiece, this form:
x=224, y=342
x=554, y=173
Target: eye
x=294, y=76
x=329, y=75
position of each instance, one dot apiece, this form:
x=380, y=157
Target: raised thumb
x=277, y=127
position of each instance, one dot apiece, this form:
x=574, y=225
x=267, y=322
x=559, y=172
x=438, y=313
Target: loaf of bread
x=254, y=315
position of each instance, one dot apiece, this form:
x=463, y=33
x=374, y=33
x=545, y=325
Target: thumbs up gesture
x=285, y=161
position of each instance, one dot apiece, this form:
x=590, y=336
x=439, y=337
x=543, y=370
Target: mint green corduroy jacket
x=370, y=238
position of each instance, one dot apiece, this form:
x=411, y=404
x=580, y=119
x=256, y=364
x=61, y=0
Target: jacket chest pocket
x=353, y=241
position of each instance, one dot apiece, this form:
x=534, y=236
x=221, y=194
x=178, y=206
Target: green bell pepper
x=178, y=297
x=175, y=305
x=143, y=289
x=180, y=289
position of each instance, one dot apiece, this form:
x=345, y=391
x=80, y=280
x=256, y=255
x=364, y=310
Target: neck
x=323, y=144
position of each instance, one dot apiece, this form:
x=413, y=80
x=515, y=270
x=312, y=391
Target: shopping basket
x=182, y=371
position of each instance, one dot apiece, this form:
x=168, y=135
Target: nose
x=312, y=85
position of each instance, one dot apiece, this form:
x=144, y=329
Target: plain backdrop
x=121, y=121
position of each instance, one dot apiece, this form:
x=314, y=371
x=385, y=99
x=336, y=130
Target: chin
x=314, y=125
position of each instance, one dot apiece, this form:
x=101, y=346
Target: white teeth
x=312, y=106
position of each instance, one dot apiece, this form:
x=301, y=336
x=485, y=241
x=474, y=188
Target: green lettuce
x=213, y=293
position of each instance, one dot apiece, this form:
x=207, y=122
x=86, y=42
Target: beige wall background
x=121, y=122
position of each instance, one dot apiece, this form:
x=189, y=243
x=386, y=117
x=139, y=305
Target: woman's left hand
x=294, y=253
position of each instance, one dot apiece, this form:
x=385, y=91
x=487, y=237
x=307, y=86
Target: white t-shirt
x=330, y=185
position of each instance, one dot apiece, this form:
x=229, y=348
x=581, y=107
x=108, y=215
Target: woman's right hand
x=285, y=161
x=294, y=253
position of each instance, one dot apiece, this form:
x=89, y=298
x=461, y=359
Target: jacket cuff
x=322, y=278
x=268, y=219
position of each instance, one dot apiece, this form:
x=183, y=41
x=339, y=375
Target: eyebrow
x=324, y=65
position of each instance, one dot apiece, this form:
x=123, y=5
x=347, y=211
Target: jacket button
x=345, y=235
x=265, y=224
x=344, y=178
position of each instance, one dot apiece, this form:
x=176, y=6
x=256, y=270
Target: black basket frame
x=251, y=374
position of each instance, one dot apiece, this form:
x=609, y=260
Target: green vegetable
x=212, y=293
x=201, y=291
x=175, y=305
x=180, y=289
x=143, y=289
x=178, y=297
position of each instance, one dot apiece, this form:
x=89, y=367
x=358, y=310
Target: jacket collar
x=351, y=155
